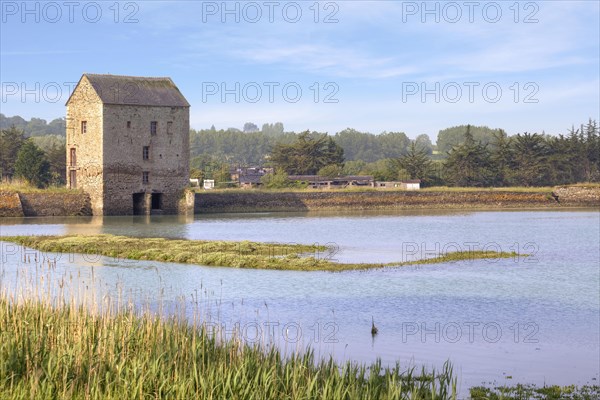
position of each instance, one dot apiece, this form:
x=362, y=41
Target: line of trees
x=463, y=155
x=252, y=146
x=526, y=159
x=35, y=126
x=522, y=160
x=22, y=158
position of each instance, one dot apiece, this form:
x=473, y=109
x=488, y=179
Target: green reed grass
x=68, y=352
x=532, y=392
x=224, y=254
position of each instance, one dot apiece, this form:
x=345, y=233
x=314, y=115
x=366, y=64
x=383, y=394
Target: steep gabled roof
x=135, y=90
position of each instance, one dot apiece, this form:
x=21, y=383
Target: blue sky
x=374, y=66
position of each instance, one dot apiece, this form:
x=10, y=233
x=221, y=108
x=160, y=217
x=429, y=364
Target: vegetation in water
x=68, y=352
x=243, y=254
x=532, y=392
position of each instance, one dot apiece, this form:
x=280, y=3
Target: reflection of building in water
x=171, y=226
x=128, y=143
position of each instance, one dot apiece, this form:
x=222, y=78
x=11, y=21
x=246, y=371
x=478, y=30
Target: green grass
x=521, y=189
x=584, y=184
x=17, y=186
x=532, y=392
x=542, y=189
x=69, y=353
x=287, y=190
x=526, y=189
x=220, y=253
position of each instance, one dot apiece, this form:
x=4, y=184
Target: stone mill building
x=128, y=143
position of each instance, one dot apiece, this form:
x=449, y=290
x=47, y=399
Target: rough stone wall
x=55, y=204
x=187, y=202
x=168, y=163
x=85, y=105
x=376, y=200
x=10, y=205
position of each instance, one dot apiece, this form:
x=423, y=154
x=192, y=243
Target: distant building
x=248, y=181
x=128, y=143
x=209, y=184
x=249, y=177
x=316, y=181
x=414, y=184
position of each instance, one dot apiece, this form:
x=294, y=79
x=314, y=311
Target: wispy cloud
x=370, y=52
x=35, y=53
x=327, y=60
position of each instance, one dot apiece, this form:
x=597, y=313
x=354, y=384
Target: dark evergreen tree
x=416, y=163
x=32, y=165
x=307, y=155
x=468, y=164
x=501, y=157
x=11, y=140
x=530, y=155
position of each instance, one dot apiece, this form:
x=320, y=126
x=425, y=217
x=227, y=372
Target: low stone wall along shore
x=78, y=204
x=42, y=204
x=215, y=202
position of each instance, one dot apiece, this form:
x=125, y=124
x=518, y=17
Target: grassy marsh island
x=243, y=254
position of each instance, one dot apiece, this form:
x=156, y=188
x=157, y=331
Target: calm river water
x=530, y=320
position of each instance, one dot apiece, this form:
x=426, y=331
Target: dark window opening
x=145, y=177
x=153, y=126
x=156, y=202
x=138, y=203
x=146, y=153
x=128, y=124
x=83, y=127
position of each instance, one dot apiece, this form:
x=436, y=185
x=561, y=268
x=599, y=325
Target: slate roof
x=136, y=90
x=254, y=178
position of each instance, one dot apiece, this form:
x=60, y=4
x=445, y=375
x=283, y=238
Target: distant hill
x=35, y=126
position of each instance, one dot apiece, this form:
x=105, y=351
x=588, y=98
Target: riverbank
x=447, y=198
x=75, y=203
x=243, y=254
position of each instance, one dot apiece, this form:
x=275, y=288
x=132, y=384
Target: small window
x=146, y=153
x=73, y=157
x=145, y=177
x=128, y=124
x=169, y=127
x=83, y=127
x=153, y=125
x=73, y=179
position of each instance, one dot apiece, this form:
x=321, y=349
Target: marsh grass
x=221, y=253
x=532, y=392
x=21, y=186
x=358, y=189
x=69, y=352
x=520, y=189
